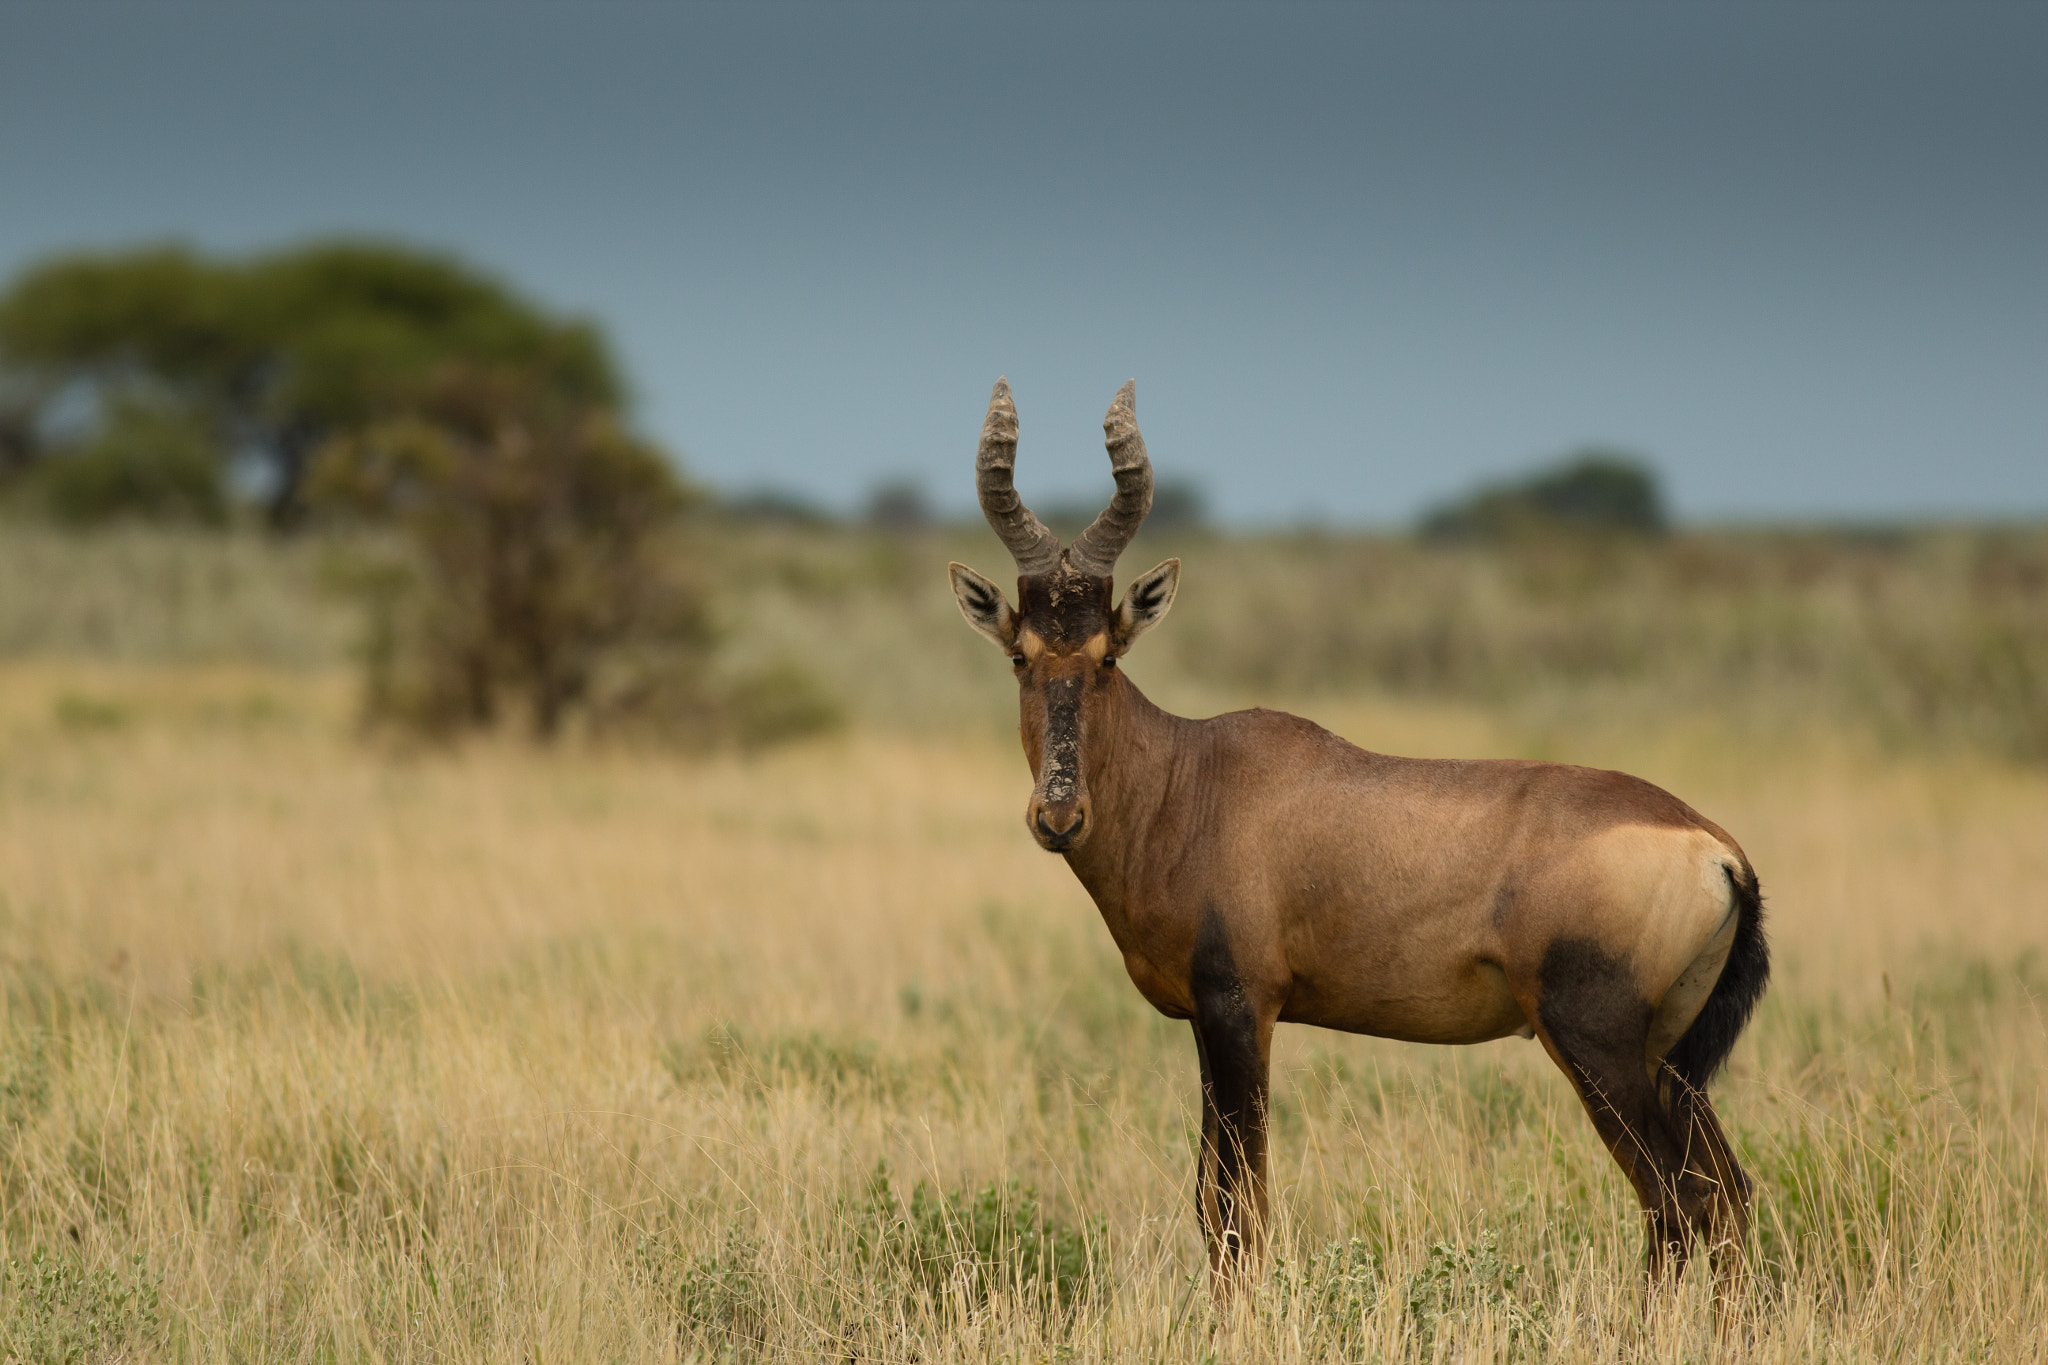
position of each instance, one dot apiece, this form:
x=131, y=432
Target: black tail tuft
x=1706, y=1044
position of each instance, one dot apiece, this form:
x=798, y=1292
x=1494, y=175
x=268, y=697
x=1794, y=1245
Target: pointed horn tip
x=1001, y=392
x=1123, y=409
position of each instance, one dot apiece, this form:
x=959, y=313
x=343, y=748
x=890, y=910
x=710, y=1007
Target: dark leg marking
x=1597, y=1023
x=1205, y=1158
x=1232, y=1040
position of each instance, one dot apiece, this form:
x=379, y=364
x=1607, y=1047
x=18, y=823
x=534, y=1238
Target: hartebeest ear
x=1145, y=602
x=984, y=606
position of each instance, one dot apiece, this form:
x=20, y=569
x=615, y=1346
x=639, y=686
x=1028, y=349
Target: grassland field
x=320, y=1048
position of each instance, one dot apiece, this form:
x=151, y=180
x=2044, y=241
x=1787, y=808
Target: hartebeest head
x=1064, y=636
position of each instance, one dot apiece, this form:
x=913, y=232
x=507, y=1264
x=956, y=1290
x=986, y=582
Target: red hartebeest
x=1256, y=869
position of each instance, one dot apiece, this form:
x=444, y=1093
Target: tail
x=1705, y=1045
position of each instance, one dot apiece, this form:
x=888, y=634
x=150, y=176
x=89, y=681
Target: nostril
x=1073, y=826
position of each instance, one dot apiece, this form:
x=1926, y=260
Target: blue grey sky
x=1357, y=256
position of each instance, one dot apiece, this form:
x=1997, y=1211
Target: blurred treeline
x=386, y=456
x=1911, y=637
x=1935, y=637
x=466, y=455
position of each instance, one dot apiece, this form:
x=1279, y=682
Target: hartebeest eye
x=1016, y=660
x=1109, y=661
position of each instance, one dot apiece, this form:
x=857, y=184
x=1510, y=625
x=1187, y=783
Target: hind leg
x=1723, y=1221
x=1639, y=1135
x=1594, y=1022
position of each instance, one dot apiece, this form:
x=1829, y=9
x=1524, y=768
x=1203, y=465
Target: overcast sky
x=1357, y=256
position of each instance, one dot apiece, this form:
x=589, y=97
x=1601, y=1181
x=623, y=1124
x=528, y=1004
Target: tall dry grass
x=311, y=1051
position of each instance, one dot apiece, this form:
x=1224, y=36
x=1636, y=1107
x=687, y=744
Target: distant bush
x=541, y=569
x=1177, y=505
x=777, y=703
x=529, y=522
x=1592, y=491
x=898, y=506
x=775, y=506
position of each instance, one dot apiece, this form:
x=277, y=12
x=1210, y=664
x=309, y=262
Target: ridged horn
x=1036, y=550
x=1095, y=550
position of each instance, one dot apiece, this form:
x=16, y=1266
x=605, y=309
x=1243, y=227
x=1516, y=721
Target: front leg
x=1234, y=1037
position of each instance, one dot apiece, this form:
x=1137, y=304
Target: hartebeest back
x=1255, y=869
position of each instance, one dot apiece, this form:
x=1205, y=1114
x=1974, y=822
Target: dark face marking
x=1064, y=610
x=1065, y=607
x=1059, y=780
x=1058, y=818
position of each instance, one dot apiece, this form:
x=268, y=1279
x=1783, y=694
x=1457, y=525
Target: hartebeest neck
x=1131, y=755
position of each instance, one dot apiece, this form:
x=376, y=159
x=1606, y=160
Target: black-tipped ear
x=1146, y=601
x=984, y=606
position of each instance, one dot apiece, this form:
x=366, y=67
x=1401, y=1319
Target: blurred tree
x=17, y=437
x=777, y=506
x=898, y=506
x=1177, y=505
x=1595, y=489
x=531, y=513
x=146, y=461
x=273, y=355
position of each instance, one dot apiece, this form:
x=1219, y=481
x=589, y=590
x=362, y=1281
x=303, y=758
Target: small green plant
x=24, y=1083
x=969, y=1247
x=720, y=1294
x=60, y=1311
x=1457, y=1281
x=1335, y=1288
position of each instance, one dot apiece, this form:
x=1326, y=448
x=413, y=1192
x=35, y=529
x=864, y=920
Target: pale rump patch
x=1661, y=896
x=1688, y=995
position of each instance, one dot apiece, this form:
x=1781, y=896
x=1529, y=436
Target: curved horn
x=1094, y=551
x=1035, y=549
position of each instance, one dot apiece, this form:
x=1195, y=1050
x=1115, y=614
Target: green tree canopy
x=271, y=355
